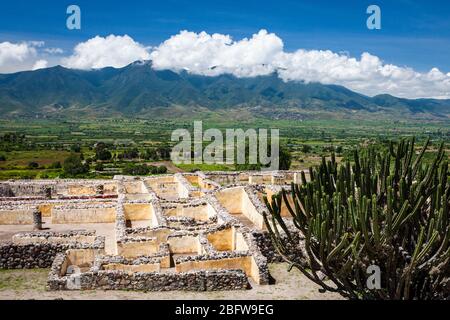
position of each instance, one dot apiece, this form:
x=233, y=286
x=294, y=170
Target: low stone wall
x=187, y=237
x=84, y=213
x=227, y=178
x=46, y=188
x=28, y=256
x=15, y=215
x=267, y=248
x=145, y=281
x=22, y=254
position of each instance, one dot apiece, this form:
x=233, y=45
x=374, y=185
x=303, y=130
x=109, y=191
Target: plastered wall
x=249, y=210
x=134, y=187
x=245, y=263
x=138, y=211
x=79, y=258
x=16, y=216
x=198, y=212
x=64, y=215
x=231, y=199
x=136, y=249
x=222, y=240
x=185, y=244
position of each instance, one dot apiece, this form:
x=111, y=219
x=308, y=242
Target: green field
x=34, y=146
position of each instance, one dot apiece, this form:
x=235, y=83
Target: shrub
x=55, y=165
x=306, y=148
x=285, y=159
x=76, y=148
x=153, y=169
x=73, y=166
x=130, y=154
x=33, y=165
x=103, y=155
x=161, y=169
x=151, y=154
x=136, y=170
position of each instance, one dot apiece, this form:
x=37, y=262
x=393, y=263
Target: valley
x=37, y=148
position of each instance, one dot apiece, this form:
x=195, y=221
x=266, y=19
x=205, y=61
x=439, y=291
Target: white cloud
x=36, y=43
x=54, y=50
x=22, y=56
x=16, y=56
x=40, y=64
x=263, y=53
x=215, y=54
x=100, y=52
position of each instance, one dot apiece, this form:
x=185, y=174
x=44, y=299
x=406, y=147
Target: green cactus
x=387, y=209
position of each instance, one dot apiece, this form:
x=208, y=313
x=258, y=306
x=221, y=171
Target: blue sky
x=414, y=33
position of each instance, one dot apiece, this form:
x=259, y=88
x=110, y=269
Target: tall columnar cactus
x=387, y=209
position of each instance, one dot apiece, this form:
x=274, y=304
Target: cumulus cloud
x=214, y=54
x=40, y=64
x=263, y=53
x=16, y=56
x=100, y=52
x=22, y=56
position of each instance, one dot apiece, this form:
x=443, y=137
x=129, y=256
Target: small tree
x=136, y=170
x=101, y=152
x=161, y=169
x=33, y=165
x=99, y=167
x=103, y=155
x=73, y=166
x=151, y=154
x=306, y=148
x=388, y=209
x=75, y=148
x=55, y=165
x=285, y=159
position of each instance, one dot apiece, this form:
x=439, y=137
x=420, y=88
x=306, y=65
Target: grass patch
x=26, y=279
x=42, y=157
x=206, y=167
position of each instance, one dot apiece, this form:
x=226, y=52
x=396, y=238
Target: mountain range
x=138, y=90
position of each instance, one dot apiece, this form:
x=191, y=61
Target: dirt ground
x=30, y=284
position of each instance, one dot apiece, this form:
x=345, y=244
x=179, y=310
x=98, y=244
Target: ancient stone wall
x=202, y=231
x=39, y=249
x=146, y=281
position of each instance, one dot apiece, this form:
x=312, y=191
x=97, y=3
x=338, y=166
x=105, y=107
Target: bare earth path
x=30, y=284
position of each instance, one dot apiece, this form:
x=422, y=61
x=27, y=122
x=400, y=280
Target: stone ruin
x=192, y=231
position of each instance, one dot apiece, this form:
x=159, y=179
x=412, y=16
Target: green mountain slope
x=137, y=89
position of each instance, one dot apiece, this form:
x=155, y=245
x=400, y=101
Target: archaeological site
x=200, y=231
